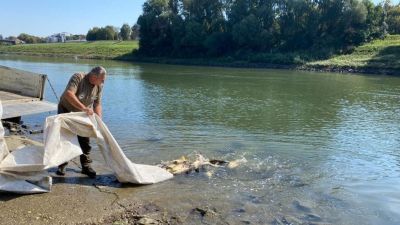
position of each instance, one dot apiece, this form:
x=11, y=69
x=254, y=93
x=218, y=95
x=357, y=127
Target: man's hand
x=88, y=111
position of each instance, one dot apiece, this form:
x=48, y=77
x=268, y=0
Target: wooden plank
x=22, y=92
x=15, y=109
x=22, y=82
x=7, y=97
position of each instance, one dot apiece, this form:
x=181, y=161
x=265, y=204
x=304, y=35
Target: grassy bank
x=379, y=56
x=91, y=50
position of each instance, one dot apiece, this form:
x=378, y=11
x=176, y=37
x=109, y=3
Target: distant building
x=12, y=41
x=60, y=37
x=18, y=41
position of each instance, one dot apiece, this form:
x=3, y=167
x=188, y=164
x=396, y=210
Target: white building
x=60, y=37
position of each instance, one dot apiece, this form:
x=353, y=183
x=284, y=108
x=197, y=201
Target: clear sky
x=46, y=17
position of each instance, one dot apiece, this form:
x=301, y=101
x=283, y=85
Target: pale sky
x=46, y=17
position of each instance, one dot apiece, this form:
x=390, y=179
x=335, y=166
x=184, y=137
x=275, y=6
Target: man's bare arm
x=98, y=109
x=74, y=101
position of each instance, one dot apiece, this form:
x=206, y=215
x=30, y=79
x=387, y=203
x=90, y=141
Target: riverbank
x=316, y=143
x=376, y=57
x=79, y=200
x=87, y=50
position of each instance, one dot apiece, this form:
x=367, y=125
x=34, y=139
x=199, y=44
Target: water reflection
x=258, y=101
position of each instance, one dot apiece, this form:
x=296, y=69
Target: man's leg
x=61, y=168
x=84, y=142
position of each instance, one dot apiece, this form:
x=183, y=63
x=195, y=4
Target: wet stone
x=147, y=221
x=204, y=212
x=239, y=210
x=297, y=205
x=254, y=199
x=287, y=220
x=313, y=218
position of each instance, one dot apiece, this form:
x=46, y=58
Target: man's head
x=97, y=75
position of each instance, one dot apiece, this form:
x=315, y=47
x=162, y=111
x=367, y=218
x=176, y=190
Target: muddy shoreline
x=77, y=199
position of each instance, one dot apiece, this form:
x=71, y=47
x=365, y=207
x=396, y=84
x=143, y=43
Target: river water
x=321, y=148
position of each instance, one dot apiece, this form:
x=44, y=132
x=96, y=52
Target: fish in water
x=185, y=165
x=235, y=163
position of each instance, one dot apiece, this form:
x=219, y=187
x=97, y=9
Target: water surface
x=321, y=148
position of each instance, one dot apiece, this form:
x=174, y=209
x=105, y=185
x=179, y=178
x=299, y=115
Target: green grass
x=378, y=54
x=96, y=49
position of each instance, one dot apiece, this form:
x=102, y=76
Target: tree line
x=113, y=33
x=31, y=39
x=103, y=33
x=199, y=28
x=27, y=38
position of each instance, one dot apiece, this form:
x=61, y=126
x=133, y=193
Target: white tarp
x=25, y=170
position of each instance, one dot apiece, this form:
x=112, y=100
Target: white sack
x=3, y=146
x=20, y=182
x=24, y=170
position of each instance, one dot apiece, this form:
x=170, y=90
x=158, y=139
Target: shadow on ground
x=381, y=60
x=74, y=177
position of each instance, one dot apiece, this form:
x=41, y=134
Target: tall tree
x=393, y=19
x=125, y=32
x=135, y=32
x=353, y=23
x=104, y=33
x=298, y=23
x=92, y=34
x=374, y=20
x=155, y=27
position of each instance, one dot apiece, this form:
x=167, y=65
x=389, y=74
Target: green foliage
x=245, y=32
x=155, y=27
x=374, y=20
x=298, y=25
x=76, y=37
x=218, y=44
x=198, y=28
x=134, y=32
x=104, y=33
x=125, y=32
x=393, y=19
x=30, y=39
x=379, y=54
